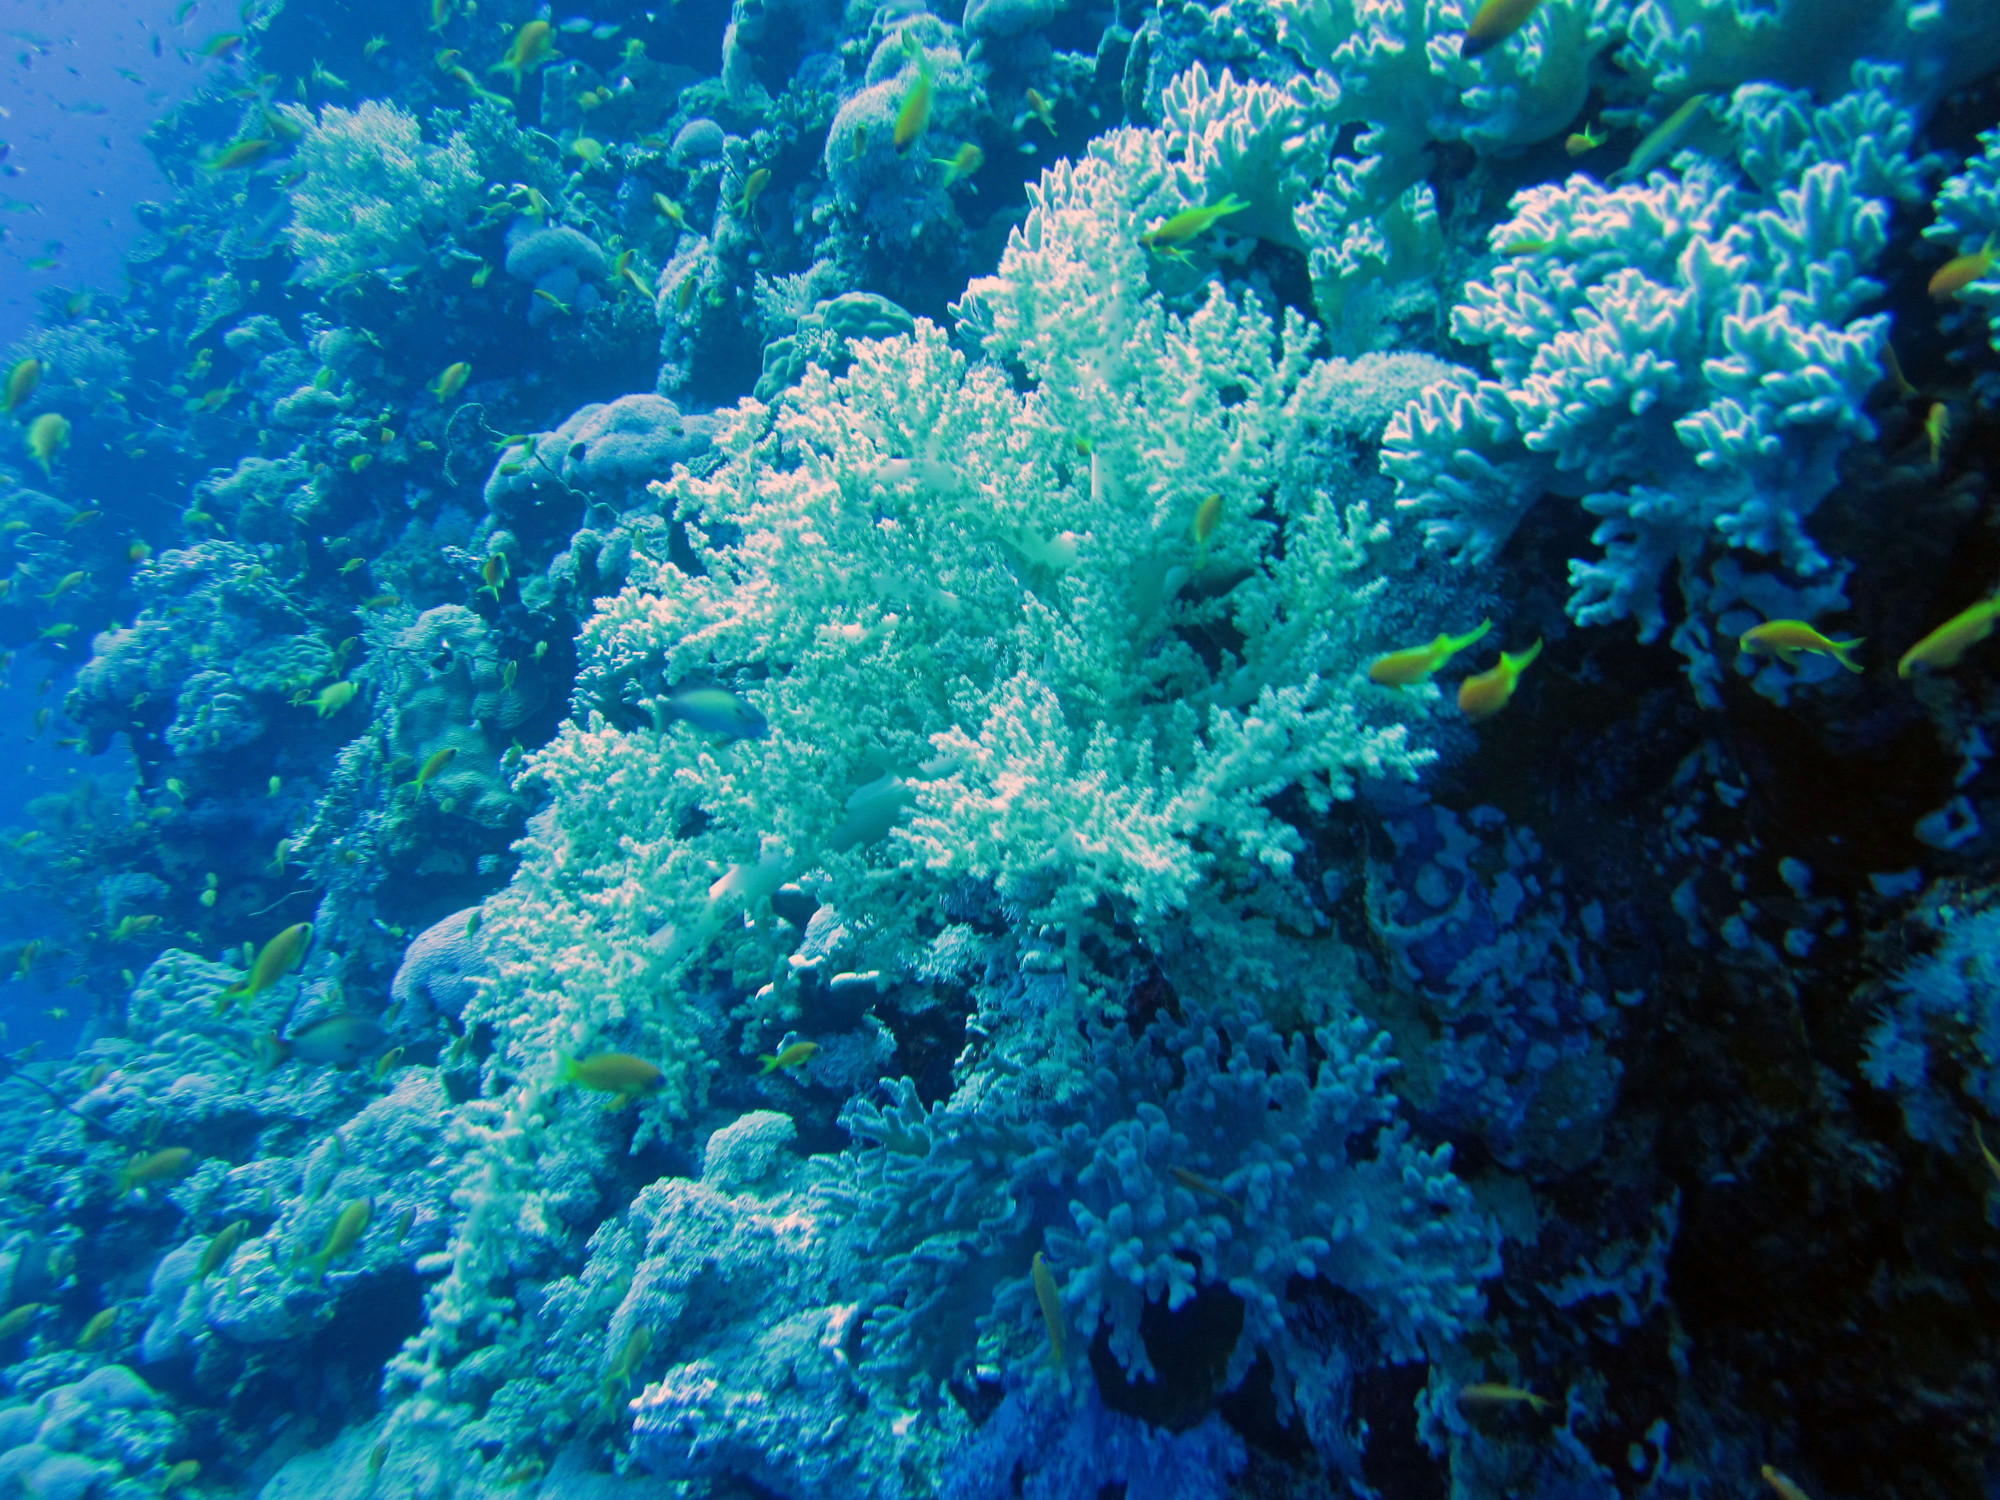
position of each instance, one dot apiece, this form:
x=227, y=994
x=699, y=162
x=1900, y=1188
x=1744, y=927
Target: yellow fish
x=1943, y=647
x=334, y=697
x=1195, y=1183
x=1893, y=368
x=494, y=572
x=1207, y=516
x=1483, y=696
x=752, y=186
x=791, y=1057
x=215, y=1254
x=534, y=44
x=434, y=764
x=344, y=1236
x=180, y=1475
x=48, y=435
x=670, y=210
x=241, y=154
x=1783, y=1487
x=961, y=163
x=1490, y=1393
x=1661, y=140
x=619, y=1074
x=373, y=45
x=1416, y=664
x=1582, y=142
x=1937, y=428
x=63, y=585
x=1493, y=23
x=161, y=1166
x=1043, y=111
x=1992, y=1162
x=1958, y=273
x=21, y=383
x=915, y=115
x=1785, y=639
x=1189, y=223
x=621, y=270
x=276, y=959
x=1050, y=1299
x=17, y=1319
x=450, y=381
x=96, y=1328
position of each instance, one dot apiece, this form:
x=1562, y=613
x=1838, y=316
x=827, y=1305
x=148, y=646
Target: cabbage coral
x=995, y=598
x=374, y=192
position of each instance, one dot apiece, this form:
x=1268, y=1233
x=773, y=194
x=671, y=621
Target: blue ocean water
x=786, y=748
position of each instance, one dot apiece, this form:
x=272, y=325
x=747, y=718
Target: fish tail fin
x=566, y=1068
x=770, y=1062
x=1842, y=653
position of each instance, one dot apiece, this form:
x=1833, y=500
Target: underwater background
x=800, y=748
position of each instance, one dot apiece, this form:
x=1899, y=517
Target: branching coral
x=1683, y=45
x=1944, y=1024
x=1684, y=356
x=1968, y=222
x=1208, y=1152
x=1395, y=68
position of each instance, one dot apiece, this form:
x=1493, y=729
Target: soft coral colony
x=1009, y=976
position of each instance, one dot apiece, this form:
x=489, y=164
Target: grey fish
x=341, y=1039
x=717, y=711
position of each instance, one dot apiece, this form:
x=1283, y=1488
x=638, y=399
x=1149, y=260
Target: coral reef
x=759, y=753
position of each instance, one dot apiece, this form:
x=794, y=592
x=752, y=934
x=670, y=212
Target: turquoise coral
x=1688, y=360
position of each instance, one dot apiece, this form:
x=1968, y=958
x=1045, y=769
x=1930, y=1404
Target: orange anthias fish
x=1493, y=23
x=1785, y=639
x=534, y=44
x=1942, y=648
x=1958, y=273
x=1415, y=664
x=1483, y=696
